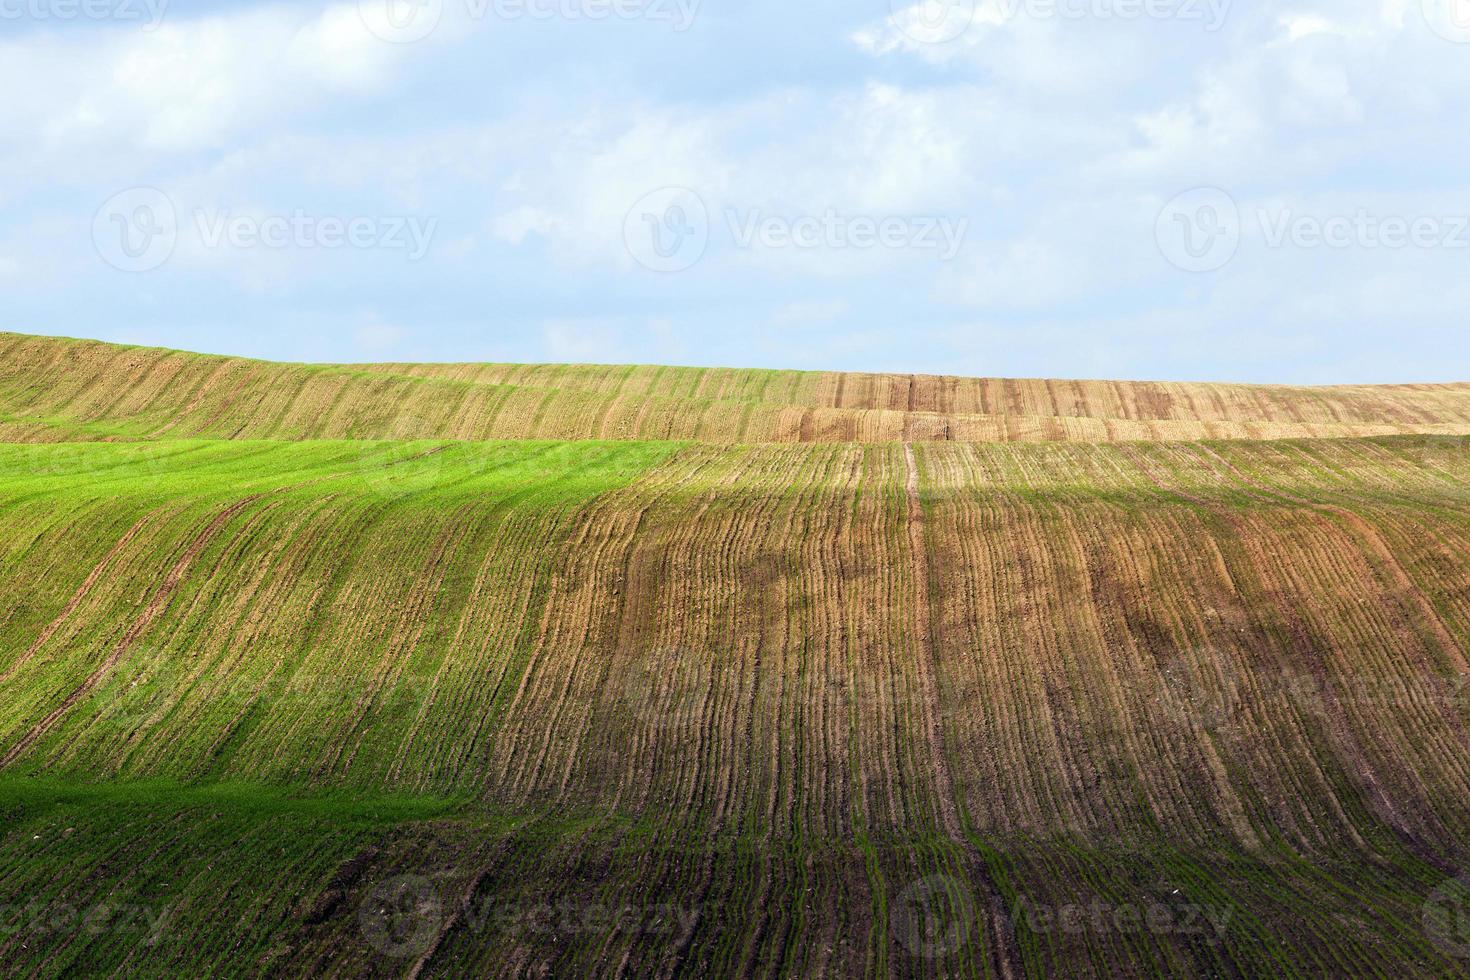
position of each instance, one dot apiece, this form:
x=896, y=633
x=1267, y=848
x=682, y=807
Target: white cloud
x=185, y=86
x=1034, y=57
x=1282, y=98
x=880, y=152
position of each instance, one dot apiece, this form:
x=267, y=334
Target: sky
x=1130, y=189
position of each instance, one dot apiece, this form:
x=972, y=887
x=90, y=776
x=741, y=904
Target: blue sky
x=1174, y=189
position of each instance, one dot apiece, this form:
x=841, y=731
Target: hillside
x=618, y=706
x=60, y=390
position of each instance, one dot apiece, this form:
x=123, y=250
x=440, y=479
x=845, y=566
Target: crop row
x=58, y=391
x=900, y=710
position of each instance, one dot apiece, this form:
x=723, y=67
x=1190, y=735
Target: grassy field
x=280, y=704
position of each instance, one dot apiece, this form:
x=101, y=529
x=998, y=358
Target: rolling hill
x=66, y=390
x=446, y=670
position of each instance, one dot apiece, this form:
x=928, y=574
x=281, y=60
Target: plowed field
x=726, y=673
